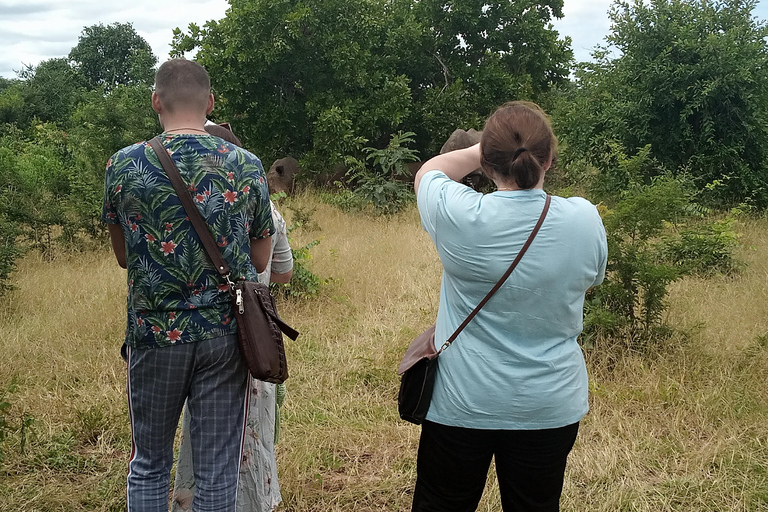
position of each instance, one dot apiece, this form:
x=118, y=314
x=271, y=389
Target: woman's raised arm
x=455, y=164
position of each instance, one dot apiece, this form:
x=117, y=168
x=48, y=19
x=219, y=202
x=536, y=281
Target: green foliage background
x=59, y=123
x=688, y=80
x=285, y=70
x=665, y=129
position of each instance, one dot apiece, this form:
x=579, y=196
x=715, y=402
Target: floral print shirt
x=174, y=294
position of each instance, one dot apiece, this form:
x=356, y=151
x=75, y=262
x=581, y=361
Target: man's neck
x=190, y=125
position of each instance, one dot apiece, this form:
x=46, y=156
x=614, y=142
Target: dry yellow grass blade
x=732, y=311
x=683, y=429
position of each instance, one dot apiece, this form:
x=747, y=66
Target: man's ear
x=209, y=106
x=156, y=103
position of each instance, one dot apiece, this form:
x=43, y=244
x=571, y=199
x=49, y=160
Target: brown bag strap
x=503, y=278
x=198, y=223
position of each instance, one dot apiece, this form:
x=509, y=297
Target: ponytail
x=525, y=169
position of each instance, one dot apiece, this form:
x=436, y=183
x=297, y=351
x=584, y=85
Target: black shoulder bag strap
x=503, y=278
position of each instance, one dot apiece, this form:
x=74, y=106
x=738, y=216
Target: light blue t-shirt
x=517, y=365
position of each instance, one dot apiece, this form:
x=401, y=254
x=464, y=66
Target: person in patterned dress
x=181, y=339
x=258, y=488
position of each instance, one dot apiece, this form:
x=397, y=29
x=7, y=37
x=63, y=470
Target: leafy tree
x=39, y=174
x=101, y=125
x=278, y=66
x=5, y=83
x=11, y=102
x=378, y=66
x=687, y=78
x=50, y=91
x=112, y=55
x=503, y=44
x=55, y=138
x=104, y=123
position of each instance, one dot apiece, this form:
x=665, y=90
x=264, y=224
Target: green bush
x=37, y=192
x=303, y=284
x=705, y=250
x=386, y=184
x=637, y=276
x=343, y=199
x=649, y=247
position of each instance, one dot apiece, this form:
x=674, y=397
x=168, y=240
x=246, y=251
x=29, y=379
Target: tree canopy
x=48, y=92
x=112, y=55
x=283, y=70
x=688, y=78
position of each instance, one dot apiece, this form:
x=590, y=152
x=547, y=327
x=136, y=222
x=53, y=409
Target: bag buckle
x=445, y=346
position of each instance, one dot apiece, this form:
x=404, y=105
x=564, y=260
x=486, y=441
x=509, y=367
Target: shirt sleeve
x=282, y=257
x=111, y=190
x=429, y=197
x=602, y=254
x=262, y=225
x=440, y=197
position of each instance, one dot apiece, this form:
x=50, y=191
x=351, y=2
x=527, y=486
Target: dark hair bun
x=517, y=143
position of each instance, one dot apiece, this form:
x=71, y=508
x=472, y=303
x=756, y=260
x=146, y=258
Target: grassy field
x=683, y=427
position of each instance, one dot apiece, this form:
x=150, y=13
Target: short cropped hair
x=182, y=84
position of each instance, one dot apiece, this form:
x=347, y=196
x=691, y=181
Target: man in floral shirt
x=181, y=341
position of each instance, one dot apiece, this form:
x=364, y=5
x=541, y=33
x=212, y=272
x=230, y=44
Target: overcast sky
x=35, y=30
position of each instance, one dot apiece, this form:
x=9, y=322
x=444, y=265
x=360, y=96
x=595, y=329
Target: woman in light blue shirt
x=514, y=384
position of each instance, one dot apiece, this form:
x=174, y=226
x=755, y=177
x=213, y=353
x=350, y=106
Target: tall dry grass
x=682, y=427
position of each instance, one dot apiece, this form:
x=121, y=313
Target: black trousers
x=453, y=463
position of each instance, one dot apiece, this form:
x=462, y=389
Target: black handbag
x=418, y=367
x=259, y=328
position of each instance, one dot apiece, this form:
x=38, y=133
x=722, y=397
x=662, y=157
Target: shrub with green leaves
x=303, y=284
x=386, y=183
x=637, y=276
x=705, y=250
x=654, y=238
x=343, y=199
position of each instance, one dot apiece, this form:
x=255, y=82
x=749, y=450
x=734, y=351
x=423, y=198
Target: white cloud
x=36, y=30
x=586, y=22
x=31, y=32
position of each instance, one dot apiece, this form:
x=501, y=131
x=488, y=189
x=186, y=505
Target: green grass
x=682, y=426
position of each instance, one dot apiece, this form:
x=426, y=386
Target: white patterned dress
x=258, y=489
